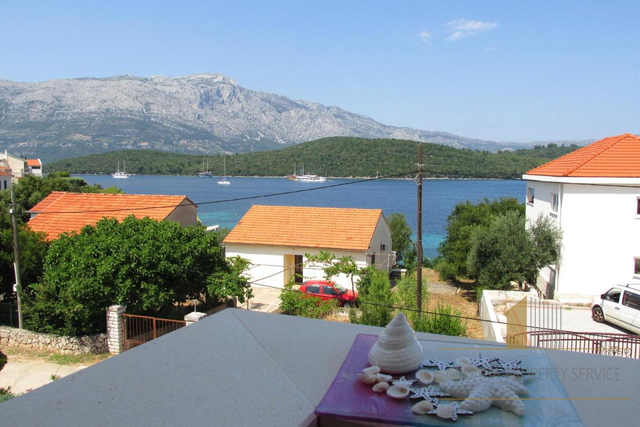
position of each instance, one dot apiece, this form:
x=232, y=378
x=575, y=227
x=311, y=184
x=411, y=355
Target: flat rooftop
x=243, y=368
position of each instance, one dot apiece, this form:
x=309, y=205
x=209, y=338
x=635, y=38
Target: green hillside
x=333, y=157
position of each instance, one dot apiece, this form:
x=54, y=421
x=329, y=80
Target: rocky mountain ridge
x=202, y=113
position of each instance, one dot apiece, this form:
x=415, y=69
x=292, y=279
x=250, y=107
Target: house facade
x=17, y=165
x=276, y=240
x=34, y=167
x=63, y=212
x=5, y=178
x=593, y=196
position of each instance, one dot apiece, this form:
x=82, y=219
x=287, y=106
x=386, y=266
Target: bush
x=5, y=393
x=443, y=320
x=446, y=270
x=375, y=298
x=298, y=304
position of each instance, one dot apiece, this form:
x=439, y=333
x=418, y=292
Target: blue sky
x=499, y=70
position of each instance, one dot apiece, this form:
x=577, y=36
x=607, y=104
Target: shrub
x=443, y=320
x=298, y=304
x=446, y=270
x=375, y=298
x=5, y=393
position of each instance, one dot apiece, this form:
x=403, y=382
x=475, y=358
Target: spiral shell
x=397, y=349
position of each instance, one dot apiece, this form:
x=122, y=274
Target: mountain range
x=198, y=114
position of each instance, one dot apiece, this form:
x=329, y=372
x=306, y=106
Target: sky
x=511, y=71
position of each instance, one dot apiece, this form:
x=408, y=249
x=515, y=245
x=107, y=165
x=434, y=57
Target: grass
x=15, y=353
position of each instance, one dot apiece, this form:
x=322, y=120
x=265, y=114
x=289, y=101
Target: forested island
x=332, y=157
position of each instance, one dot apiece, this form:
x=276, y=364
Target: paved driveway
x=578, y=319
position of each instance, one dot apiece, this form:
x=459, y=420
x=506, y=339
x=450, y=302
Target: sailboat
x=118, y=173
x=224, y=180
x=302, y=177
x=205, y=174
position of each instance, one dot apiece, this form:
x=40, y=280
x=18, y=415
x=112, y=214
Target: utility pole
x=419, y=230
x=16, y=255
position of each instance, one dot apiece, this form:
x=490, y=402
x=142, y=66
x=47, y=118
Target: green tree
x=148, y=266
x=462, y=223
x=400, y=234
x=509, y=251
x=375, y=298
x=334, y=266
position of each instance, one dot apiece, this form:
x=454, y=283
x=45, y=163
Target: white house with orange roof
x=5, y=177
x=275, y=239
x=593, y=195
x=63, y=212
x=34, y=166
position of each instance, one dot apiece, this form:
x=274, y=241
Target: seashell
x=371, y=370
x=422, y=407
x=440, y=377
x=463, y=361
x=471, y=372
x=380, y=387
x=367, y=378
x=397, y=349
x=425, y=377
x=453, y=374
x=398, y=391
x=445, y=411
x=383, y=378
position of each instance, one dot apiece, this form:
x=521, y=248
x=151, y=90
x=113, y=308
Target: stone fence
x=15, y=337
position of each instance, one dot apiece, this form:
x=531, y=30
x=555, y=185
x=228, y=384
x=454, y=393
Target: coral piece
x=440, y=364
x=397, y=349
x=449, y=412
x=398, y=391
x=481, y=394
x=422, y=407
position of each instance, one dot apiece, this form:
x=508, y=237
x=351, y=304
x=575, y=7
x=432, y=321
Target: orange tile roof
x=307, y=227
x=612, y=157
x=61, y=212
x=34, y=162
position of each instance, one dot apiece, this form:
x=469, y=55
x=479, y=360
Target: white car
x=620, y=305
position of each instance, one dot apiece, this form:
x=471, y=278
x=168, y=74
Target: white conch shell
x=471, y=372
x=398, y=391
x=383, y=378
x=422, y=407
x=397, y=349
x=380, y=387
x=425, y=377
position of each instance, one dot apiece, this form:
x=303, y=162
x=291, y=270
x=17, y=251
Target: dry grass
x=23, y=354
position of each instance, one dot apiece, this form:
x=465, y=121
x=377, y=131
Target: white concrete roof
x=242, y=368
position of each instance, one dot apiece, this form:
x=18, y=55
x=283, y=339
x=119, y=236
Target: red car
x=327, y=290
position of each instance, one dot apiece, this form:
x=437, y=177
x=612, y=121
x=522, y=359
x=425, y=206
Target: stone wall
x=95, y=344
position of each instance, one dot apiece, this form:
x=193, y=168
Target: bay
x=224, y=205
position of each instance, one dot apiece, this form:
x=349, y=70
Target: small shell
x=398, y=391
x=382, y=378
x=440, y=377
x=371, y=370
x=463, y=361
x=367, y=378
x=422, y=407
x=425, y=377
x=380, y=387
x=453, y=374
x=471, y=372
x=445, y=411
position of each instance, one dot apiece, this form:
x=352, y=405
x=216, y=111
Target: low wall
x=95, y=344
x=492, y=331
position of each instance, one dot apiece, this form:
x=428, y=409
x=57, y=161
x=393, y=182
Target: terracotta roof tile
x=307, y=227
x=67, y=212
x=34, y=162
x=612, y=157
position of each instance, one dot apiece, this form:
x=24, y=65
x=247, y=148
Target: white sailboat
x=205, y=174
x=123, y=173
x=224, y=180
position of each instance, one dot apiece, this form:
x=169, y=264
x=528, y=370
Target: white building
x=5, y=178
x=275, y=240
x=17, y=165
x=593, y=195
x=34, y=166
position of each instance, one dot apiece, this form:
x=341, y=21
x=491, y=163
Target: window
x=313, y=289
x=638, y=207
x=328, y=290
x=531, y=195
x=636, y=268
x=631, y=300
x=613, y=295
x=554, y=202
x=372, y=259
x=383, y=247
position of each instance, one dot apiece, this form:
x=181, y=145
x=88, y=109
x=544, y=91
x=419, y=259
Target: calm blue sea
x=216, y=205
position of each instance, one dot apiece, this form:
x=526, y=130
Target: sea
x=224, y=205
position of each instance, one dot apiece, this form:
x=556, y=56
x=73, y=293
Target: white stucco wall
x=268, y=263
x=382, y=236
x=601, y=234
